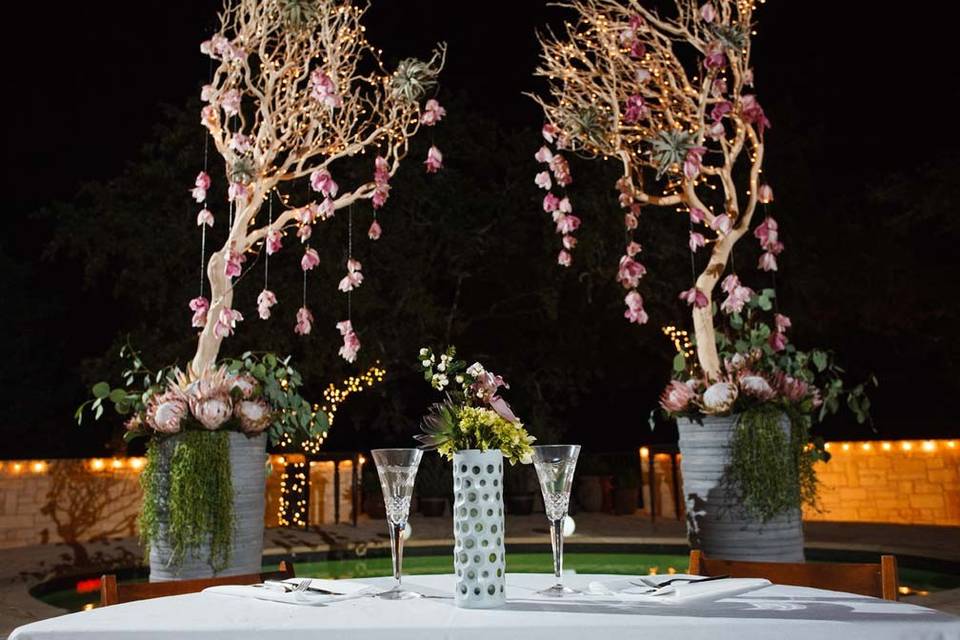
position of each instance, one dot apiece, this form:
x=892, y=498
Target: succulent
x=670, y=148
x=299, y=13
x=731, y=36
x=412, y=79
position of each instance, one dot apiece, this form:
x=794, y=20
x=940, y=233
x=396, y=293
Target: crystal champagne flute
x=555, y=465
x=397, y=469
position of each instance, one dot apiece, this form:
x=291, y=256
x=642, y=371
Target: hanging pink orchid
x=204, y=217
x=230, y=101
x=434, y=161
x=567, y=223
x=781, y=322
x=719, y=87
x=233, y=265
x=432, y=113
x=635, y=312
x=304, y=232
x=227, y=322
x=768, y=262
x=693, y=162
x=737, y=294
x=633, y=248
x=304, y=322
x=564, y=259
x=696, y=241
x=543, y=180
x=374, y=231
x=274, y=241
x=564, y=206
x=561, y=170
x=325, y=210
x=638, y=49
x=310, y=259
x=629, y=272
x=265, y=300
x=240, y=143
x=767, y=233
x=777, y=341
x=716, y=131
x=765, y=194
x=635, y=110
x=697, y=215
x=721, y=110
x=716, y=57
x=708, y=12
x=753, y=113
x=322, y=181
x=694, y=297
x=722, y=223
x=207, y=92
x=323, y=90
x=630, y=221
x=354, y=277
x=210, y=117
x=549, y=132
x=351, y=343
x=238, y=191
x=200, y=187
x=381, y=178
x=569, y=242
x=199, y=306
x=544, y=154
x=551, y=203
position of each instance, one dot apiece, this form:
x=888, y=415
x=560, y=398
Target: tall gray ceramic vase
x=248, y=474
x=717, y=523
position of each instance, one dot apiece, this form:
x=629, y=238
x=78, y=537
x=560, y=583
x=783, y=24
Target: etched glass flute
x=397, y=469
x=555, y=465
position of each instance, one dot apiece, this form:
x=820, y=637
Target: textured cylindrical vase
x=248, y=476
x=717, y=522
x=479, y=559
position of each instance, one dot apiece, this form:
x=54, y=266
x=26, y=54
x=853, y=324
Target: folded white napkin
x=634, y=590
x=274, y=592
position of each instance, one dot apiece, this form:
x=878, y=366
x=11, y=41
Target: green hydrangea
x=480, y=428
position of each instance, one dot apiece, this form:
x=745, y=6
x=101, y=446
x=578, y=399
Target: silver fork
x=303, y=585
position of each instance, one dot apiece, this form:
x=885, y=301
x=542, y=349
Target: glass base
x=398, y=593
x=558, y=591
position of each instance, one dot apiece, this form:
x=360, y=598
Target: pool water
x=86, y=594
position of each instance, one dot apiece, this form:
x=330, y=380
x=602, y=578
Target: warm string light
x=681, y=340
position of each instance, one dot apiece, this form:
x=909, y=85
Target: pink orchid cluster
x=226, y=322
x=381, y=180
x=432, y=113
x=220, y=48
x=324, y=90
x=265, y=301
x=211, y=399
x=630, y=270
x=354, y=277
x=200, y=187
x=737, y=294
x=768, y=235
x=351, y=343
x=630, y=37
x=558, y=170
x=233, y=265
x=434, y=161
x=304, y=322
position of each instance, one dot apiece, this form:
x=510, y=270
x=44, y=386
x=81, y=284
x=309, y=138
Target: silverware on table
x=660, y=585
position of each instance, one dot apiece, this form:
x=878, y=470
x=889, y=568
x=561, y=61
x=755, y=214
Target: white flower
x=476, y=370
x=459, y=379
x=426, y=364
x=424, y=352
x=439, y=381
x=442, y=366
x=719, y=398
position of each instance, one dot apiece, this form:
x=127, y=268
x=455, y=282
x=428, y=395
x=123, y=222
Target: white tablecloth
x=773, y=611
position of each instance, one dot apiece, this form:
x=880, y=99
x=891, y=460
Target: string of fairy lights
x=293, y=505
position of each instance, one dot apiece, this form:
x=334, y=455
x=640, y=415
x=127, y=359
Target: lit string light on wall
x=293, y=503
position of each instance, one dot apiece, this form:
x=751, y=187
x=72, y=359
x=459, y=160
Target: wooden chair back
x=113, y=593
x=878, y=580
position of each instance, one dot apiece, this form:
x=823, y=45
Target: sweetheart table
x=762, y=611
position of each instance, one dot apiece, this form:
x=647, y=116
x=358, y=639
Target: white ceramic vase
x=478, y=555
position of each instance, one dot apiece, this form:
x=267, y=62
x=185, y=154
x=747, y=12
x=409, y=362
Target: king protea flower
x=254, y=415
x=165, y=412
x=676, y=397
x=719, y=398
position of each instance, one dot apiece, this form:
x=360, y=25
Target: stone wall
x=904, y=482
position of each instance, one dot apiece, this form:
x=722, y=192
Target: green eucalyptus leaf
x=101, y=390
x=679, y=363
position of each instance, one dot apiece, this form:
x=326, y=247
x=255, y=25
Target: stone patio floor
x=23, y=568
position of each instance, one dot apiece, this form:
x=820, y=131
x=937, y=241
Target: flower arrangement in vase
x=476, y=429
x=207, y=442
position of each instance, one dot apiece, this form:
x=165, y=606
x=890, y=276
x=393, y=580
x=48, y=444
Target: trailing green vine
x=771, y=462
x=188, y=494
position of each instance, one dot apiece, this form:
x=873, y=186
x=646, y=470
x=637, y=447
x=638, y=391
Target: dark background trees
x=99, y=244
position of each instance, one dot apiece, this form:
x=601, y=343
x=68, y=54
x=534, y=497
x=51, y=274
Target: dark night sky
x=85, y=83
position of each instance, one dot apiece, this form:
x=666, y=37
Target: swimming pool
x=77, y=593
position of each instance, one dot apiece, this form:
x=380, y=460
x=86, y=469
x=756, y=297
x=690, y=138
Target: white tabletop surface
x=773, y=611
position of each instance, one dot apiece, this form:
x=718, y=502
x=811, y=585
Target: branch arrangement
x=671, y=98
x=296, y=88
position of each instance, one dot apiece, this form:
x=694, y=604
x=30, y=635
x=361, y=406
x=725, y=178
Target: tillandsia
x=473, y=415
x=252, y=394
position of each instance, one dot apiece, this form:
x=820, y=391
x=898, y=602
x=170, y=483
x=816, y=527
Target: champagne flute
x=397, y=469
x=555, y=465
